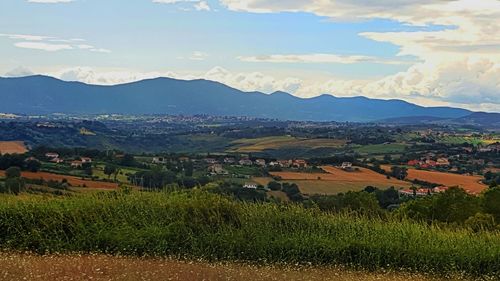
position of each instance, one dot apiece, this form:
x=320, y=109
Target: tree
x=33, y=165
x=491, y=202
x=274, y=185
x=110, y=169
x=13, y=172
x=14, y=185
x=399, y=172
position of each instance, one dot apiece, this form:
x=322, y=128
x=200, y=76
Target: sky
x=432, y=53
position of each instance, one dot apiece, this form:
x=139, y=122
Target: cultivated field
x=74, y=181
x=381, y=148
x=280, y=142
x=336, y=180
x=100, y=267
x=12, y=147
x=469, y=183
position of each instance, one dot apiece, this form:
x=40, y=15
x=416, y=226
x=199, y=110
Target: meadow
x=198, y=225
x=381, y=148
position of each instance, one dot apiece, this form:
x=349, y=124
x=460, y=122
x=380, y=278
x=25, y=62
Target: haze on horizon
x=430, y=53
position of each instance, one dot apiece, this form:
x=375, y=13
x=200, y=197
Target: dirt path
x=15, y=267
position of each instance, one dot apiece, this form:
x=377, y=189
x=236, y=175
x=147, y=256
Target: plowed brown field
x=12, y=147
x=74, y=181
x=336, y=180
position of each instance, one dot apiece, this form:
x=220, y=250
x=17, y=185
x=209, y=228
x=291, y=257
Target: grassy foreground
x=197, y=225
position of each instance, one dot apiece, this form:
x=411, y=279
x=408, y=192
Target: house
x=29, y=159
x=211, y=161
x=250, y=185
x=274, y=163
x=439, y=189
x=86, y=160
x=431, y=163
x=285, y=163
x=417, y=192
x=76, y=164
x=245, y=162
x=260, y=162
x=442, y=162
x=52, y=155
x=477, y=162
x=56, y=160
x=159, y=160
x=346, y=165
x=299, y=163
x=184, y=159
x=216, y=169
x=229, y=160
x=413, y=163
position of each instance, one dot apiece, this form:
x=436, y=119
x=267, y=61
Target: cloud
x=43, y=46
x=20, y=71
x=320, y=58
x=49, y=1
x=51, y=44
x=456, y=48
x=198, y=5
x=202, y=6
x=198, y=56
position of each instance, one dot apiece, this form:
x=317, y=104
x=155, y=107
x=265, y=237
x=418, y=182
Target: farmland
x=101, y=267
x=469, y=183
x=336, y=180
x=282, y=142
x=72, y=180
x=11, y=147
x=381, y=148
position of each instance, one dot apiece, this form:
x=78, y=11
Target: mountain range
x=44, y=95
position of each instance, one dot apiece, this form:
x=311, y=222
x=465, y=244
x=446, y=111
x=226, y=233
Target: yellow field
x=469, y=183
x=335, y=180
x=261, y=144
x=15, y=267
x=12, y=147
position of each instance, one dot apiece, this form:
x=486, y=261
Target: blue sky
x=304, y=47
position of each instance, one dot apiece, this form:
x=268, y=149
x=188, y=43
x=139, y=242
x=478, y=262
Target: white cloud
x=197, y=55
x=457, y=63
x=49, y=1
x=320, y=58
x=202, y=6
x=51, y=44
x=20, y=71
x=43, y=46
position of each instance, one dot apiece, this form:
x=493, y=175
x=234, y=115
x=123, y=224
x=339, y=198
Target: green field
x=381, y=148
x=282, y=142
x=199, y=225
x=98, y=171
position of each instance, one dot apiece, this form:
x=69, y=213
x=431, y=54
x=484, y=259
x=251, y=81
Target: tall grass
x=200, y=225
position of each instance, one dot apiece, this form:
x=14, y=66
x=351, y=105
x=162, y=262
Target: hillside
x=42, y=94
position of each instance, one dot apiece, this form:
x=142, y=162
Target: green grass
x=200, y=225
x=381, y=148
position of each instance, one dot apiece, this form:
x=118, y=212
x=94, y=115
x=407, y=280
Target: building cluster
x=55, y=158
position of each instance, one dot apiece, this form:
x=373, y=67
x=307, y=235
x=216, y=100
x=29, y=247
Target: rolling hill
x=42, y=95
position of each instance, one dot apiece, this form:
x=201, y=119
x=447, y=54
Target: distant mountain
x=484, y=119
x=42, y=95
x=480, y=118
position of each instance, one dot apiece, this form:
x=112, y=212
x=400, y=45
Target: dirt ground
x=14, y=267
